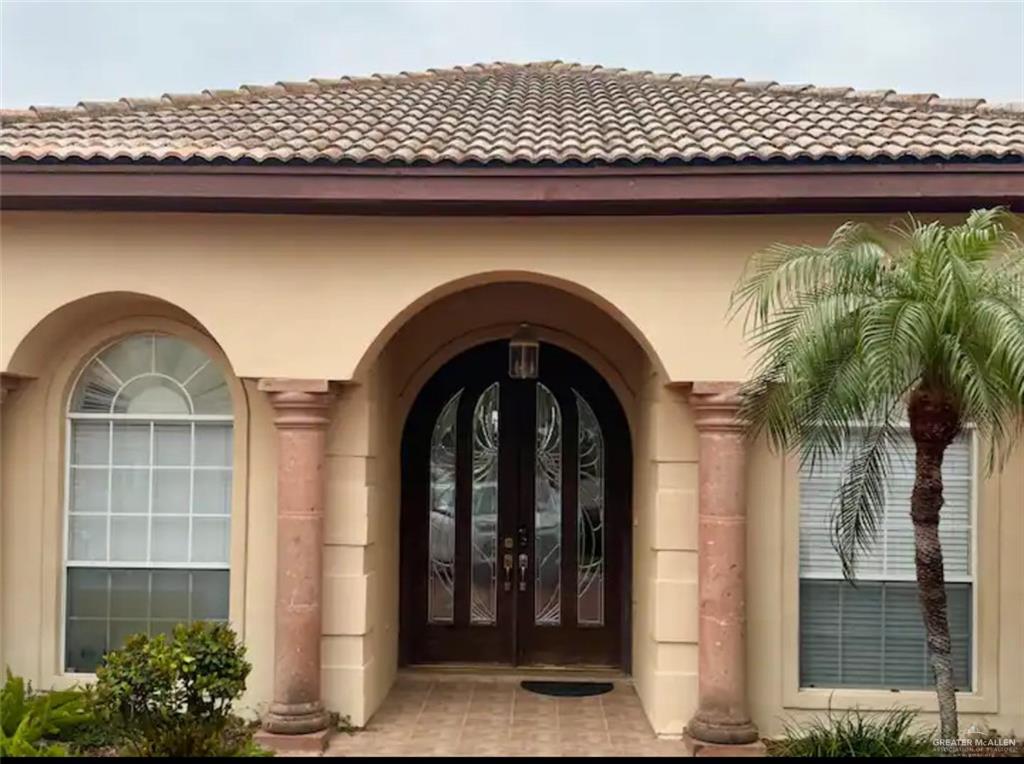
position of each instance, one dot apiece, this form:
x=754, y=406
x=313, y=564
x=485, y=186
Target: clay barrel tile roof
x=548, y=112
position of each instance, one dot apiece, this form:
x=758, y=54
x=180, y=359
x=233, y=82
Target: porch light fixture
x=523, y=354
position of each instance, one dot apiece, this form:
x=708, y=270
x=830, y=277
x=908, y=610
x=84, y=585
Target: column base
x=296, y=718
x=721, y=729
x=723, y=750
x=309, y=742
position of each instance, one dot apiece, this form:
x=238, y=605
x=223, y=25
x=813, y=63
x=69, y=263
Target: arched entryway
x=515, y=528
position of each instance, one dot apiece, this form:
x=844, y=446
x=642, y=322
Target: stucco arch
x=35, y=353
x=363, y=449
x=50, y=360
x=484, y=278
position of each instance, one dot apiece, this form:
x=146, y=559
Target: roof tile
x=530, y=113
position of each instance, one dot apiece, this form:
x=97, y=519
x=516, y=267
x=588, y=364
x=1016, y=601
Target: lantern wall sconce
x=523, y=354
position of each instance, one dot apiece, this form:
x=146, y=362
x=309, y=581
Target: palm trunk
x=934, y=422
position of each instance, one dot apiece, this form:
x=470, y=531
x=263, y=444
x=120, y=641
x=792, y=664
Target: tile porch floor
x=494, y=716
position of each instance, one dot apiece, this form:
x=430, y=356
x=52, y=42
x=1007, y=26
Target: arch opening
x=535, y=469
x=435, y=330
x=553, y=291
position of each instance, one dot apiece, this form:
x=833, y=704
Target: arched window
x=148, y=495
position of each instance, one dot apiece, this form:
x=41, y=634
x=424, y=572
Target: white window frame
x=971, y=433
x=153, y=420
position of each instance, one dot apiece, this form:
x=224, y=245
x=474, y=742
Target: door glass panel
x=441, y=574
x=590, y=518
x=548, y=510
x=485, y=507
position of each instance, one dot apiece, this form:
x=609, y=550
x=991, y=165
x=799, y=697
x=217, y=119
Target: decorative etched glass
x=441, y=574
x=590, y=518
x=548, y=511
x=485, y=508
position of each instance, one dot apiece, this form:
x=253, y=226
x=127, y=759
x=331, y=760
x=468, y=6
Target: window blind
x=872, y=635
x=892, y=557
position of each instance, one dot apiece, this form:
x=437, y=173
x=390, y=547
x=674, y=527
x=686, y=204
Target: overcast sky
x=58, y=53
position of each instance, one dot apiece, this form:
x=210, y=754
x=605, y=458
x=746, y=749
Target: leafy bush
x=101, y=736
x=238, y=739
x=29, y=721
x=173, y=697
x=854, y=734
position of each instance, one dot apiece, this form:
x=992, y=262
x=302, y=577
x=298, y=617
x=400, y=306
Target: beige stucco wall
x=32, y=455
x=320, y=295
x=378, y=304
x=773, y=537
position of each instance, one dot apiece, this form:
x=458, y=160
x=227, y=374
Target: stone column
x=301, y=417
x=722, y=716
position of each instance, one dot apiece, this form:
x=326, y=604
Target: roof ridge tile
x=925, y=101
x=228, y=95
x=187, y=99
x=103, y=107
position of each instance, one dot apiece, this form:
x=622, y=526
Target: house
x=437, y=368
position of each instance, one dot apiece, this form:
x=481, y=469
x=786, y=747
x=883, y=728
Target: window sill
x=69, y=680
x=882, y=700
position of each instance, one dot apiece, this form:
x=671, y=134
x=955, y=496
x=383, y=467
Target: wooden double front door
x=515, y=515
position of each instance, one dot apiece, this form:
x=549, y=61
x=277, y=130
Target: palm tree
x=926, y=324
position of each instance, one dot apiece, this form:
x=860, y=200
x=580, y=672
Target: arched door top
x=515, y=521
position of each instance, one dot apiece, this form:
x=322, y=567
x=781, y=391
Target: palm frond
x=850, y=260
x=860, y=503
x=844, y=332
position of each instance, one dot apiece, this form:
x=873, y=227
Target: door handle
x=508, y=571
x=524, y=561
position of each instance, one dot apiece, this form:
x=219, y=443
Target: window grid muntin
x=120, y=381
x=145, y=375
x=112, y=417
x=151, y=469
x=969, y=431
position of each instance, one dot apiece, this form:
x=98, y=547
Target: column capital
x=716, y=406
x=299, y=404
x=9, y=382
x=292, y=385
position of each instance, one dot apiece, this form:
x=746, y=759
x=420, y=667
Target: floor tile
x=460, y=717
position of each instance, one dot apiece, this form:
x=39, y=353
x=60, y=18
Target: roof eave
x=513, y=190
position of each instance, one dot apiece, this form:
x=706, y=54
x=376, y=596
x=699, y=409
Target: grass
x=854, y=734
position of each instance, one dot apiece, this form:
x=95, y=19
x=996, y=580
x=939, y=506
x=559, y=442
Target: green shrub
x=173, y=697
x=30, y=721
x=238, y=739
x=854, y=734
x=102, y=736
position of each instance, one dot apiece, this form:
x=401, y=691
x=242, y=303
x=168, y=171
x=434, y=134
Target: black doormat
x=568, y=689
